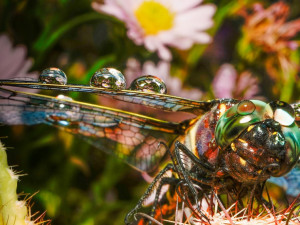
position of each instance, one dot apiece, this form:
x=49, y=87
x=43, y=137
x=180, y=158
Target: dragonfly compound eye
x=292, y=149
x=53, y=75
x=108, y=78
x=150, y=84
x=237, y=119
x=281, y=112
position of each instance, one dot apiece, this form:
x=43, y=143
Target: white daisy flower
x=160, y=23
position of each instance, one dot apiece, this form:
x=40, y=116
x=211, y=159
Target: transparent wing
x=155, y=100
x=289, y=182
x=134, y=138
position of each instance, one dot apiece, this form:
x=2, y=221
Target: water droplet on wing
x=150, y=84
x=63, y=97
x=108, y=78
x=53, y=75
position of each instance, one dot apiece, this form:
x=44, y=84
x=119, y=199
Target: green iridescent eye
x=281, y=112
x=236, y=119
x=245, y=108
x=230, y=112
x=292, y=136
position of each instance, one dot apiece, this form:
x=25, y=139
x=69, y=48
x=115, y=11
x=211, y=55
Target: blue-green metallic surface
x=232, y=124
x=292, y=137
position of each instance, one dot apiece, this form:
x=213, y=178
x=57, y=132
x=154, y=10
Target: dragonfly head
x=258, y=140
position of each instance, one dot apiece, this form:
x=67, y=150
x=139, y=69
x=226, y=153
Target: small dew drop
x=245, y=107
x=63, y=97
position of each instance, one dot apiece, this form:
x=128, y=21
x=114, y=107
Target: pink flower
x=160, y=23
x=228, y=84
x=14, y=64
x=269, y=29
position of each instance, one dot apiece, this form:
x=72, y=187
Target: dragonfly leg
x=183, y=172
x=152, y=187
x=162, y=182
x=186, y=161
x=200, y=162
x=182, y=190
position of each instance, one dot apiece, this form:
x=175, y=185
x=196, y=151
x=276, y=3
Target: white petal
x=6, y=49
x=183, y=43
x=133, y=70
x=202, y=38
x=22, y=72
x=164, y=68
x=199, y=18
x=149, y=68
x=153, y=43
x=108, y=9
x=14, y=61
x=164, y=53
x=150, y=43
x=180, y=5
x=135, y=34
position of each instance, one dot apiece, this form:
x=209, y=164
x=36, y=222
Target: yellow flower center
x=154, y=17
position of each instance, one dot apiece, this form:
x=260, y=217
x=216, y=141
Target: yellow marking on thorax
x=250, y=128
x=190, y=137
x=222, y=109
x=233, y=147
x=241, y=140
x=243, y=161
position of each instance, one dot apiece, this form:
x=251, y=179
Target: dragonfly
x=228, y=142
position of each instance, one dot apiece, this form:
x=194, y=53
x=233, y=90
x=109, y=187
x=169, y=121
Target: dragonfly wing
x=289, y=182
x=133, y=137
x=155, y=100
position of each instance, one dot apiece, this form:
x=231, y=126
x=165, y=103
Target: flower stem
x=49, y=37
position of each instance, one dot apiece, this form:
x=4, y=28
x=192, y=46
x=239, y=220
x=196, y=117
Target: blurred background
x=201, y=49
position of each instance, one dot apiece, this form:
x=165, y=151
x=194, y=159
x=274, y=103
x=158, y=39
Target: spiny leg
x=180, y=169
x=200, y=162
x=150, y=218
x=183, y=194
x=162, y=182
x=184, y=173
x=257, y=193
x=149, y=190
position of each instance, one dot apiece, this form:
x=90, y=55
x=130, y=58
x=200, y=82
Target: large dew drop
x=53, y=75
x=108, y=78
x=150, y=84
